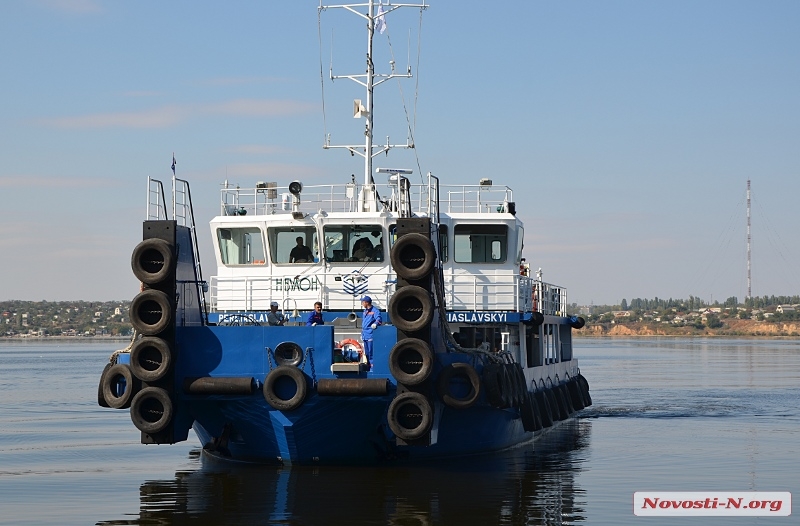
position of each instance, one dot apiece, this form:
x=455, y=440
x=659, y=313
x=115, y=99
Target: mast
x=367, y=199
x=748, y=240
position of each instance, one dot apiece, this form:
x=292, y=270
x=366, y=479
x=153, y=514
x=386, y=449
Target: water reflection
x=529, y=485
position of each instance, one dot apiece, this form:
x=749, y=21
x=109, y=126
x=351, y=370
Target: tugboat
x=433, y=338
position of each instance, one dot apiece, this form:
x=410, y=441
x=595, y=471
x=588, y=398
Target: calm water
x=668, y=415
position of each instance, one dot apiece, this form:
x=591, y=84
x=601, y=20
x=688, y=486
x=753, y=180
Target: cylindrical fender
x=544, y=408
x=151, y=312
x=410, y=416
x=152, y=261
x=527, y=414
x=537, y=415
x=411, y=361
x=151, y=359
x=151, y=410
x=411, y=308
x=285, y=388
x=413, y=256
x=576, y=322
x=290, y=353
x=562, y=402
x=119, y=386
x=575, y=394
x=452, y=373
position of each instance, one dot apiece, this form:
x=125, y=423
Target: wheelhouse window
x=443, y=243
x=241, y=246
x=353, y=243
x=290, y=245
x=480, y=243
x=520, y=243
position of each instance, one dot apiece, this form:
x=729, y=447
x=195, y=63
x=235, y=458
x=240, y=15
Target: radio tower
x=748, y=240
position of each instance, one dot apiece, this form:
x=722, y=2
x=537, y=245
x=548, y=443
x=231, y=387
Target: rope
x=115, y=354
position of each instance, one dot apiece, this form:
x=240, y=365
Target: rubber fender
x=101, y=400
x=492, y=382
x=151, y=359
x=152, y=261
x=411, y=308
x=282, y=380
x=528, y=415
x=151, y=410
x=587, y=398
x=413, y=256
x=410, y=416
x=151, y=312
x=544, y=408
x=536, y=413
x=576, y=322
x=411, y=361
x=575, y=394
x=290, y=353
x=119, y=376
x=466, y=372
x=565, y=396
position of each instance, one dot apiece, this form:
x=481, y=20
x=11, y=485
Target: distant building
x=782, y=309
x=621, y=313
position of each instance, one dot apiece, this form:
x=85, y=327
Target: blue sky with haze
x=627, y=129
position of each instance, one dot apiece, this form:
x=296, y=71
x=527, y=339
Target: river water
x=668, y=415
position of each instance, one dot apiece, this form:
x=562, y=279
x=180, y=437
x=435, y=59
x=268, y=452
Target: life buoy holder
x=151, y=359
x=285, y=388
x=464, y=371
x=410, y=416
x=151, y=410
x=411, y=361
x=119, y=386
x=152, y=261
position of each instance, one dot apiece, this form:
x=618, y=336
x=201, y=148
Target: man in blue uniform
x=372, y=318
x=315, y=318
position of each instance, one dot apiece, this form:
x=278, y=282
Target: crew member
x=371, y=320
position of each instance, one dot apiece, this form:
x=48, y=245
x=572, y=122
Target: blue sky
x=627, y=129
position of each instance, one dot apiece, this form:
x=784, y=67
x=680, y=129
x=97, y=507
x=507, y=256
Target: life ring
x=289, y=353
x=544, y=408
x=351, y=344
x=151, y=410
x=413, y=256
x=575, y=394
x=410, y=416
x=151, y=359
x=118, y=386
x=150, y=312
x=277, y=385
x=152, y=261
x=411, y=308
x=464, y=371
x=492, y=380
x=411, y=361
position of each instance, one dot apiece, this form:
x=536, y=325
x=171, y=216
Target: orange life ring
x=353, y=343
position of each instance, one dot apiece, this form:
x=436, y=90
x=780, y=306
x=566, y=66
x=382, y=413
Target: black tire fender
x=545, y=411
x=411, y=361
x=111, y=380
x=492, y=381
x=151, y=312
x=288, y=353
x=413, y=256
x=466, y=371
x=410, y=416
x=270, y=388
x=151, y=410
x=101, y=399
x=411, y=308
x=152, y=261
x=151, y=359
x=584, y=383
x=575, y=394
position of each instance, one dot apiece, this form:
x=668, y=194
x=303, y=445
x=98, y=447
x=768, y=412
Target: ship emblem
x=355, y=283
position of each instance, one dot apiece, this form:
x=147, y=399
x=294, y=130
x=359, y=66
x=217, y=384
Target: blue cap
x=367, y=299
